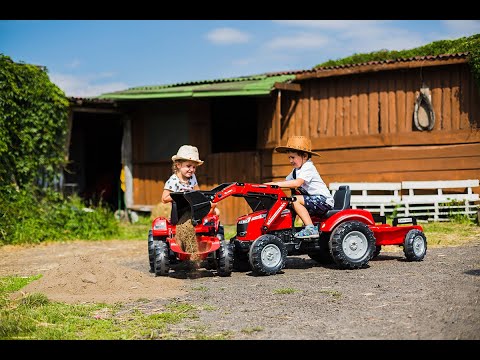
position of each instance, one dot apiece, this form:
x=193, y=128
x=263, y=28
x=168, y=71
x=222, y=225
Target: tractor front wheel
x=161, y=262
x=267, y=255
x=352, y=244
x=415, y=245
x=151, y=255
x=224, y=259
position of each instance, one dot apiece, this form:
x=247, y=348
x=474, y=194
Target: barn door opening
x=94, y=165
x=234, y=124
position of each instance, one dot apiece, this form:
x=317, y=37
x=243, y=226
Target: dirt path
x=437, y=298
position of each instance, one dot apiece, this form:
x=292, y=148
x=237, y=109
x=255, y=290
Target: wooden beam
x=127, y=161
x=397, y=139
x=287, y=86
x=278, y=117
x=359, y=69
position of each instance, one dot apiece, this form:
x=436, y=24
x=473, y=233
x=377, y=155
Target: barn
x=384, y=121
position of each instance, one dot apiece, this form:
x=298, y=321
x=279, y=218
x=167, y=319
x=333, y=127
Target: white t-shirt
x=173, y=184
x=313, y=182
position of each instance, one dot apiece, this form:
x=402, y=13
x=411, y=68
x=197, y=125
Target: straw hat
x=188, y=152
x=297, y=143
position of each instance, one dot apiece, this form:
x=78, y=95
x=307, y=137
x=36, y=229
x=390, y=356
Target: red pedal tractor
x=265, y=237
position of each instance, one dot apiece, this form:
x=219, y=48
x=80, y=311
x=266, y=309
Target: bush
x=37, y=216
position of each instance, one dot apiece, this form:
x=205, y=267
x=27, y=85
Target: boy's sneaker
x=308, y=232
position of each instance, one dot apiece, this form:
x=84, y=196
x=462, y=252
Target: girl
x=183, y=179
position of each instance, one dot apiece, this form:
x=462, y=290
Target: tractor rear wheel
x=151, y=255
x=352, y=244
x=161, y=261
x=267, y=255
x=224, y=259
x=415, y=245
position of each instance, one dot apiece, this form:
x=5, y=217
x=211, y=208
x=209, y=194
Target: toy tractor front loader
x=191, y=223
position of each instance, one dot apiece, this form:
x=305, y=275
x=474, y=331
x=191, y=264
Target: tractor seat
x=341, y=201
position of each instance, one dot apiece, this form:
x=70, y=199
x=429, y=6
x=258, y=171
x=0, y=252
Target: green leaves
x=469, y=44
x=33, y=124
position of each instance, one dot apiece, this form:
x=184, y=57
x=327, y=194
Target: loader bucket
x=194, y=201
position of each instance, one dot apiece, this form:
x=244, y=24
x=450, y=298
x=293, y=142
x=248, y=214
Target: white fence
x=434, y=200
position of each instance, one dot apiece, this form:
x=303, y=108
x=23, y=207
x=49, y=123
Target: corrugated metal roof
x=261, y=84
x=247, y=85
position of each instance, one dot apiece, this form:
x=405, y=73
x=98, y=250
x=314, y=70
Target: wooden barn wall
x=363, y=126
x=149, y=176
x=231, y=167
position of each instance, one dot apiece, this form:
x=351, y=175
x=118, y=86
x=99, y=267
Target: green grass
x=251, y=330
x=450, y=233
x=333, y=293
x=136, y=231
x=34, y=316
x=230, y=231
x=200, y=288
x=284, y=291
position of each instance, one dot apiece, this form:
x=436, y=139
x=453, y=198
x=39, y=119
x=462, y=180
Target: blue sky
x=89, y=57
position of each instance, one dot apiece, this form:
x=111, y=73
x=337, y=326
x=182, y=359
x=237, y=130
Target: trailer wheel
x=225, y=259
x=415, y=245
x=267, y=255
x=352, y=244
x=161, y=261
x=151, y=255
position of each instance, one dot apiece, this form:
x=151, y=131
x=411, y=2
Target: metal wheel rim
x=271, y=255
x=418, y=245
x=355, y=245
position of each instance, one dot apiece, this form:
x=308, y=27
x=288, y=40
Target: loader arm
x=273, y=199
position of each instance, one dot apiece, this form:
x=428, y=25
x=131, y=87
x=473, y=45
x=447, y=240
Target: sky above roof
x=86, y=58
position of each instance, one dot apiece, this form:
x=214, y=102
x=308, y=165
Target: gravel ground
x=435, y=299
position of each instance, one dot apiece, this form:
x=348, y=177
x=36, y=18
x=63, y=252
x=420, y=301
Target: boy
x=315, y=198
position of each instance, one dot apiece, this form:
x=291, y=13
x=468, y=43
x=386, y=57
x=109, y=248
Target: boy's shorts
x=316, y=204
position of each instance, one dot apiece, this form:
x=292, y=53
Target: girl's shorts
x=316, y=204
